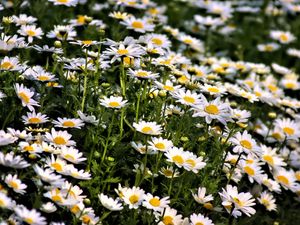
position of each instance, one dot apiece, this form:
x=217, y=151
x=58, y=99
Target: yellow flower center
x=56, y=198
x=283, y=179
x=114, y=104
x=188, y=41
x=288, y=130
x=87, y=42
x=213, y=89
x=208, y=206
x=212, y=109
x=272, y=87
x=137, y=25
x=57, y=166
x=168, y=173
x=80, y=19
x=191, y=162
x=68, y=123
x=199, y=223
x=25, y=98
x=70, y=157
x=29, y=220
x=246, y=144
x=276, y=135
x=147, y=130
x=28, y=148
x=43, y=78
x=290, y=85
x=122, y=51
x=168, y=220
x=2, y=203
x=75, y=209
x=238, y=202
x=86, y=219
x=269, y=48
x=13, y=184
x=59, y=141
x=249, y=170
x=189, y=99
x=157, y=41
x=178, y=159
x=283, y=37
x=168, y=88
x=155, y=202
x=34, y=120
x=142, y=74
x=6, y=65
x=160, y=145
x=269, y=159
x=30, y=33
x=134, y=199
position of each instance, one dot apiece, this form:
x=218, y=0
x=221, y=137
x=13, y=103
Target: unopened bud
x=272, y=115
x=57, y=44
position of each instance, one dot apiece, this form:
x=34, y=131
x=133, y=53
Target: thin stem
x=108, y=137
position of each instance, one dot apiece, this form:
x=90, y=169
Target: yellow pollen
x=24, y=97
x=43, y=78
x=276, y=135
x=122, y=51
x=168, y=220
x=56, y=198
x=189, y=99
x=142, y=74
x=29, y=220
x=283, y=179
x=238, y=202
x=75, y=209
x=70, y=157
x=160, y=146
x=178, y=159
x=283, y=37
x=134, y=199
x=114, y=104
x=188, y=41
x=6, y=65
x=269, y=48
x=246, y=144
x=2, y=203
x=249, y=170
x=208, y=206
x=68, y=123
x=28, y=148
x=272, y=87
x=157, y=41
x=87, y=42
x=191, y=162
x=137, y=25
x=212, y=109
x=213, y=89
x=155, y=202
x=269, y=159
x=147, y=130
x=168, y=88
x=34, y=120
x=288, y=130
x=199, y=223
x=168, y=173
x=30, y=33
x=13, y=184
x=59, y=141
x=80, y=19
x=57, y=166
x=86, y=219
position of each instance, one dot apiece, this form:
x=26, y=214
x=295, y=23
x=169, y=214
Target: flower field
x=131, y=112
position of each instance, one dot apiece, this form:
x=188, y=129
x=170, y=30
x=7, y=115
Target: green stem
x=108, y=137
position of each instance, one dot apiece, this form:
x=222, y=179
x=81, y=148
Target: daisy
x=35, y=118
x=133, y=197
x=113, y=102
x=289, y=127
x=201, y=198
x=215, y=90
x=77, y=174
x=282, y=37
x=62, y=32
x=270, y=156
x=138, y=25
x=6, y=138
x=177, y=156
x=160, y=144
x=253, y=170
x=5, y=201
x=10, y=64
x=60, y=198
x=269, y=47
x=157, y=40
x=59, y=138
x=155, y=203
x=167, y=86
x=187, y=97
x=65, y=2
x=151, y=128
x=143, y=149
x=213, y=110
x=23, y=19
x=72, y=155
x=286, y=178
x=268, y=200
x=193, y=163
x=200, y=219
x=32, y=217
x=119, y=15
x=72, y=191
x=68, y=123
x=38, y=73
x=241, y=116
x=170, y=216
x=10, y=160
x=48, y=207
x=169, y=172
x=88, y=119
x=15, y=183
x=31, y=31
x=293, y=52
x=48, y=175
x=244, y=143
x=272, y=185
x=143, y=74
x=25, y=94
x=57, y=164
x=192, y=42
x=34, y=148
x=110, y=203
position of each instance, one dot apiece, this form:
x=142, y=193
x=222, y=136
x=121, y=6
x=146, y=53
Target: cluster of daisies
x=149, y=81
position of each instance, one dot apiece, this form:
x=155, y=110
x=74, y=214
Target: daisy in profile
x=23, y=19
x=170, y=216
x=15, y=183
x=32, y=217
x=88, y=119
x=244, y=143
x=10, y=160
x=59, y=138
x=119, y=15
x=215, y=90
x=269, y=47
x=65, y=2
x=5, y=201
x=62, y=32
x=25, y=94
x=113, y=102
x=213, y=110
x=57, y=164
x=286, y=178
x=282, y=37
x=31, y=31
x=155, y=203
x=143, y=74
x=160, y=144
x=35, y=118
x=6, y=138
x=202, y=198
x=268, y=200
x=193, y=162
x=271, y=157
x=167, y=86
x=110, y=203
x=290, y=128
x=10, y=63
x=68, y=123
x=48, y=175
x=133, y=197
x=253, y=170
x=48, y=207
x=151, y=128
x=77, y=174
x=138, y=25
x=169, y=172
x=187, y=97
x=200, y=219
x=72, y=155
